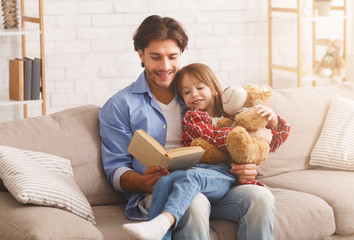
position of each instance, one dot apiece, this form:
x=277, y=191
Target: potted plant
x=323, y=7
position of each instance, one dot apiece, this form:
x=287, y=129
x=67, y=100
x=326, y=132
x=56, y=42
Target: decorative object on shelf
x=303, y=70
x=323, y=7
x=332, y=64
x=9, y=8
x=307, y=8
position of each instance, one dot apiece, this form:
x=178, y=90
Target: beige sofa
x=312, y=202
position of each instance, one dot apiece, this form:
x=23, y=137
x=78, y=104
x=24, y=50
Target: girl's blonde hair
x=204, y=74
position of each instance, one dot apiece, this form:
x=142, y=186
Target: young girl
x=173, y=193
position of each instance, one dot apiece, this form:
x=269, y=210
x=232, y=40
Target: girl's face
x=197, y=94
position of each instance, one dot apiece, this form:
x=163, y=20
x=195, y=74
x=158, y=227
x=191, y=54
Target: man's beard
x=150, y=75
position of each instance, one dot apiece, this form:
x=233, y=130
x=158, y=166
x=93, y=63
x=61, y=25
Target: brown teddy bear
x=332, y=64
x=238, y=102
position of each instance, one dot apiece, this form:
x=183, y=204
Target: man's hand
x=244, y=172
x=134, y=182
x=151, y=176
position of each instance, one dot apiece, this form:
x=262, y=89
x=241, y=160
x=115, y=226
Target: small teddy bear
x=238, y=103
x=332, y=63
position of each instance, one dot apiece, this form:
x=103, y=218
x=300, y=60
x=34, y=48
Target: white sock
x=154, y=229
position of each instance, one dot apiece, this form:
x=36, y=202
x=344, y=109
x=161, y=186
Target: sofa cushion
x=335, y=146
x=111, y=218
x=72, y=134
x=26, y=222
x=42, y=179
x=333, y=186
x=301, y=216
x=305, y=109
x=223, y=230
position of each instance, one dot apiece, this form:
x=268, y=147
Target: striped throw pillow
x=335, y=145
x=42, y=179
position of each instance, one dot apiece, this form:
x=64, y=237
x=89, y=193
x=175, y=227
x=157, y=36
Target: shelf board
x=17, y=31
x=13, y=102
x=313, y=77
x=309, y=18
x=317, y=18
x=306, y=77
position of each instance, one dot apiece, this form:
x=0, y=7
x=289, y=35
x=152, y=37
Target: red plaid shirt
x=197, y=123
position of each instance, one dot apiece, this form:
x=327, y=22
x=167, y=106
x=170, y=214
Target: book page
x=184, y=161
x=184, y=151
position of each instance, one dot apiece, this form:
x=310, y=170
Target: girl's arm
x=278, y=126
x=280, y=134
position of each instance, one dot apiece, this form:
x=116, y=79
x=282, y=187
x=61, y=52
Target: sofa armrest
x=18, y=221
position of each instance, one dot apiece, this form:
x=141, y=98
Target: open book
x=151, y=153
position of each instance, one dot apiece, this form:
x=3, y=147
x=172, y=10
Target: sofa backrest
x=71, y=134
x=305, y=109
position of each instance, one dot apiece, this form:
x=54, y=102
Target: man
x=150, y=103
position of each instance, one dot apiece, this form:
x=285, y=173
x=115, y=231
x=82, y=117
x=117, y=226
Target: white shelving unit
x=22, y=31
x=297, y=15
x=18, y=32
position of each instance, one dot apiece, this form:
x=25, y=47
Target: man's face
x=161, y=60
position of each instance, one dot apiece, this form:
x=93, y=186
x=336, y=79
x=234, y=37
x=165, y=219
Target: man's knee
x=195, y=222
x=261, y=201
x=265, y=199
x=200, y=206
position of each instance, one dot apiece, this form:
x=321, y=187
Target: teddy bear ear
x=267, y=90
x=337, y=43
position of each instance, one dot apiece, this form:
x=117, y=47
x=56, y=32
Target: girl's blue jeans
x=177, y=193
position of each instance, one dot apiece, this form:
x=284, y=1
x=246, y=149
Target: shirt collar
x=141, y=85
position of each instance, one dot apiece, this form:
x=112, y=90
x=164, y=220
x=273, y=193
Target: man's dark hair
x=155, y=27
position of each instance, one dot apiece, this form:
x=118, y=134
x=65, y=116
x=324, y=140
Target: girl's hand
x=265, y=111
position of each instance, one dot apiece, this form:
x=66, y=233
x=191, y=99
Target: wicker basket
x=9, y=8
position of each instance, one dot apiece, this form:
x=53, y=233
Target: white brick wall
x=89, y=48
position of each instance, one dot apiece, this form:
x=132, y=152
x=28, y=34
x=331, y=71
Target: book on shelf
x=151, y=153
x=36, y=78
x=27, y=77
x=16, y=79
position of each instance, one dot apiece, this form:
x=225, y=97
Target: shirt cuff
x=116, y=177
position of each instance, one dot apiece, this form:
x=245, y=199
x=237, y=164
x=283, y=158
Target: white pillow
x=42, y=179
x=335, y=146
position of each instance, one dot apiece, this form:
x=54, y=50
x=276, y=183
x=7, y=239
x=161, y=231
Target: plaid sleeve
x=197, y=123
x=280, y=135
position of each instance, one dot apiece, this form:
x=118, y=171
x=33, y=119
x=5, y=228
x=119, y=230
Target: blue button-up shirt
x=128, y=110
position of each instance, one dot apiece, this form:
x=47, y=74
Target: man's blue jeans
x=252, y=206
